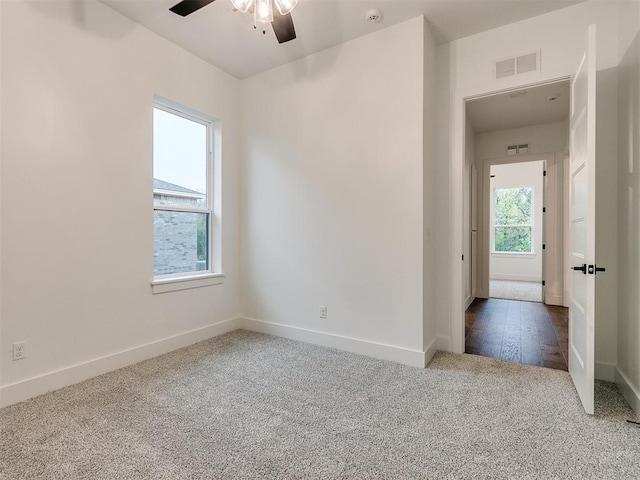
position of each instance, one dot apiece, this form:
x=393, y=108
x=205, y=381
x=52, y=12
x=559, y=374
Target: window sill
x=513, y=255
x=183, y=283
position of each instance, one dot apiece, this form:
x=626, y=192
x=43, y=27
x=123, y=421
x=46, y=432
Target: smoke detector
x=373, y=16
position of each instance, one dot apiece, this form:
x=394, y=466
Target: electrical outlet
x=19, y=350
x=323, y=312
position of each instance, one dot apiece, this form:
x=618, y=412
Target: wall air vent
x=506, y=68
x=517, y=149
x=528, y=62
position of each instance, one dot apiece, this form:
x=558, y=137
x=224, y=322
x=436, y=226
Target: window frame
x=494, y=226
x=213, y=274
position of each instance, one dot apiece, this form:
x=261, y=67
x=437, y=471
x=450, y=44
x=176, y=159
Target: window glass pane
x=512, y=239
x=179, y=160
x=180, y=242
x=513, y=206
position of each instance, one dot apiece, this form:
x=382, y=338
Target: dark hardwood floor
x=514, y=331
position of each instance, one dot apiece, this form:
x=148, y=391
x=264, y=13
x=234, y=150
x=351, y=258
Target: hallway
x=515, y=331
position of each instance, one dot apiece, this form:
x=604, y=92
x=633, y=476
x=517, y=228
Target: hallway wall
x=628, y=358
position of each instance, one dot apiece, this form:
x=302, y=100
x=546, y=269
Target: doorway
x=516, y=144
x=516, y=230
x=530, y=333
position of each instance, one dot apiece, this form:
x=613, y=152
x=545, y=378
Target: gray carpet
x=247, y=405
x=516, y=290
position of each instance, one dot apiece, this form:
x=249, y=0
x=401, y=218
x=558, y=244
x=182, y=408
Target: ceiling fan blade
x=187, y=7
x=283, y=27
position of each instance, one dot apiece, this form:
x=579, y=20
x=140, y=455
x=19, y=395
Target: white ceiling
x=508, y=110
x=227, y=39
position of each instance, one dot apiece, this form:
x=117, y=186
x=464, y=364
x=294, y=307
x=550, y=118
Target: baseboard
x=32, y=387
x=430, y=351
x=516, y=277
x=550, y=299
x=444, y=344
x=605, y=371
x=479, y=293
x=414, y=358
x=629, y=391
x=468, y=302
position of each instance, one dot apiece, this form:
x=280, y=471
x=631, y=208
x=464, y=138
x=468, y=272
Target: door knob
x=582, y=269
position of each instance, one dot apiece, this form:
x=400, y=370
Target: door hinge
x=543, y=283
x=463, y=258
x=544, y=209
x=544, y=173
x=593, y=269
x=544, y=246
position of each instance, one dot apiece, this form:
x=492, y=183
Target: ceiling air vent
x=528, y=62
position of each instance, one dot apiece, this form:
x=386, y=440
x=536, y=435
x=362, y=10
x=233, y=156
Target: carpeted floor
x=516, y=290
x=247, y=405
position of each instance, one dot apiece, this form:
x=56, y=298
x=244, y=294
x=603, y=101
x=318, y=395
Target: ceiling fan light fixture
x=242, y=5
x=263, y=11
x=285, y=6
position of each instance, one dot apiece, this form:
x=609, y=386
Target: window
x=513, y=220
x=183, y=203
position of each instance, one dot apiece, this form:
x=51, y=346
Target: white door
x=582, y=223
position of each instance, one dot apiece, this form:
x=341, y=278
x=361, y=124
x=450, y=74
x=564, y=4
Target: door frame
x=456, y=189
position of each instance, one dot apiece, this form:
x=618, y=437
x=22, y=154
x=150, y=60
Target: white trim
x=481, y=293
x=213, y=193
x=605, y=371
x=430, y=351
x=174, y=193
x=414, y=358
x=554, y=299
x=164, y=285
x=468, y=302
x=516, y=277
x=630, y=393
x=444, y=344
x=174, y=208
x=32, y=387
x=518, y=255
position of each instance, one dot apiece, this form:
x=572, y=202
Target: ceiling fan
x=280, y=17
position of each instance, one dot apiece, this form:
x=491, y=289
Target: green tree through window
x=513, y=211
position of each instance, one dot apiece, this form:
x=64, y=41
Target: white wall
x=560, y=35
x=606, y=303
x=546, y=141
x=333, y=205
x=628, y=358
x=440, y=191
x=526, y=267
x=430, y=202
x=78, y=81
